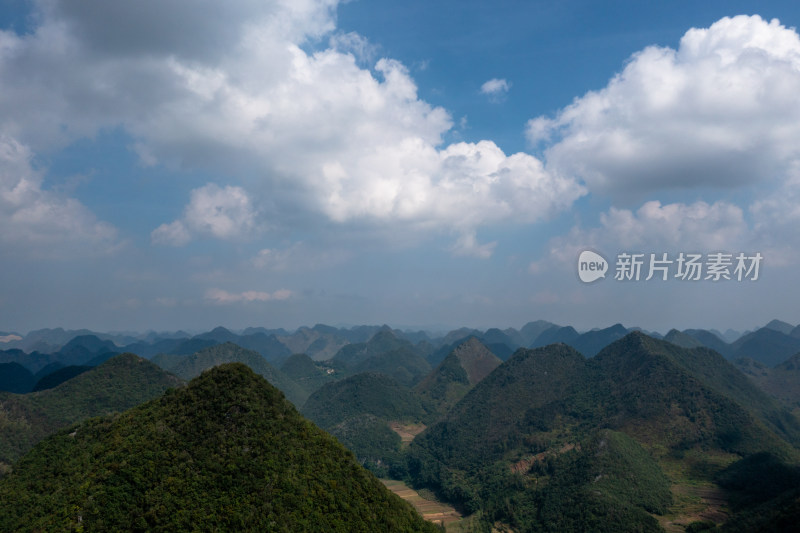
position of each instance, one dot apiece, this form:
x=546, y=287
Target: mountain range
x=543, y=428
x=552, y=437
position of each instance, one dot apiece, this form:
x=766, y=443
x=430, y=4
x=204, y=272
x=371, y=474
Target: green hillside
x=404, y=365
x=118, y=384
x=301, y=369
x=357, y=410
x=465, y=366
x=781, y=382
x=383, y=341
x=687, y=398
x=386, y=353
x=367, y=393
x=595, y=442
x=225, y=453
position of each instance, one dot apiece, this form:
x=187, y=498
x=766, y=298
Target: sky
x=186, y=164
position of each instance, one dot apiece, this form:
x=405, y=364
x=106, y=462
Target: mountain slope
x=554, y=335
x=766, y=345
x=301, y=369
x=358, y=411
x=591, y=342
x=15, y=378
x=710, y=340
x=382, y=342
x=682, y=339
x=465, y=366
x=781, y=382
x=522, y=446
x=319, y=343
x=367, y=393
x=192, y=366
x=386, y=353
x=54, y=379
x=404, y=365
x=120, y=383
x=227, y=452
x=780, y=325
x=531, y=330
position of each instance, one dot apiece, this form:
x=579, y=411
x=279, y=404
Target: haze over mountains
x=519, y=429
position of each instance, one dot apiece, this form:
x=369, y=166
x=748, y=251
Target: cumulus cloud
x=467, y=245
x=495, y=87
x=220, y=296
x=720, y=111
x=698, y=227
x=32, y=216
x=249, y=90
x=223, y=213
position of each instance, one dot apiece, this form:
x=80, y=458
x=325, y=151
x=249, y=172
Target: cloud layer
x=251, y=93
x=720, y=111
x=213, y=211
x=220, y=296
x=719, y=114
x=46, y=220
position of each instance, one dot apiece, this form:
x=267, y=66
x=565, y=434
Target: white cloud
x=495, y=87
x=697, y=226
x=40, y=219
x=223, y=213
x=354, y=44
x=467, y=245
x=172, y=234
x=655, y=228
x=220, y=296
x=234, y=91
x=720, y=111
x=298, y=256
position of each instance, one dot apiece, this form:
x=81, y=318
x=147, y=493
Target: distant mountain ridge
x=191, y=366
x=465, y=366
x=771, y=344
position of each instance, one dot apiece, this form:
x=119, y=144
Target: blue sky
x=189, y=164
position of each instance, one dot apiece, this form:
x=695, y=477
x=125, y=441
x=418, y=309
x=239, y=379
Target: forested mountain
x=766, y=345
x=466, y=365
x=550, y=437
x=301, y=369
x=358, y=411
x=385, y=353
x=227, y=452
x=682, y=339
x=588, y=343
x=554, y=335
x=15, y=378
x=59, y=376
x=604, y=430
x=191, y=366
x=531, y=330
x=781, y=382
x=710, y=340
x=118, y=384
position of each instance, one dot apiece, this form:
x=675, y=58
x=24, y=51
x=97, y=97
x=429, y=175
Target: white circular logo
x=591, y=266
